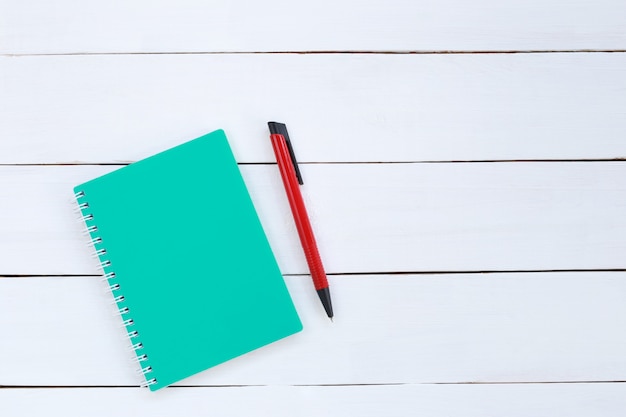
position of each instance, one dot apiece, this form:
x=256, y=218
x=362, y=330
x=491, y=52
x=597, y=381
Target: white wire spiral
x=109, y=276
x=149, y=382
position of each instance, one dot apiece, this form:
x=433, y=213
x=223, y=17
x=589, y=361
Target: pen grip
x=298, y=209
x=315, y=265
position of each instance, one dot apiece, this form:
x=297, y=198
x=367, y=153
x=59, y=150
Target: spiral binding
x=141, y=359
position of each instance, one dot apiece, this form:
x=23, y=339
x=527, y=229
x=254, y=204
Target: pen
x=290, y=174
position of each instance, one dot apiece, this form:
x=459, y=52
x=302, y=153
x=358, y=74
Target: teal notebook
x=186, y=259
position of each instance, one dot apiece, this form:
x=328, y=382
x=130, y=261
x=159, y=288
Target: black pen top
x=274, y=128
x=281, y=129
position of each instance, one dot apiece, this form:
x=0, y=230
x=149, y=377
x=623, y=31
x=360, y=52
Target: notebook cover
x=198, y=278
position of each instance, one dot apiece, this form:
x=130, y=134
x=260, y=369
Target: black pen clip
x=281, y=129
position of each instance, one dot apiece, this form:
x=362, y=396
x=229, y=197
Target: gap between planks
x=468, y=161
x=314, y=385
x=478, y=272
x=330, y=52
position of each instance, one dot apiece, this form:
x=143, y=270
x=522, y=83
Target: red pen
x=291, y=176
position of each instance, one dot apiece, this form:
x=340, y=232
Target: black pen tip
x=324, y=295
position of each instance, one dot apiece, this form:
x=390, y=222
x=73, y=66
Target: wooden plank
x=275, y=25
x=541, y=400
x=370, y=217
x=528, y=327
x=108, y=109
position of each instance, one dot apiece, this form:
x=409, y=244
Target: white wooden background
x=463, y=163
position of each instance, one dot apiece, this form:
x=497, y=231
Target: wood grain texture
x=543, y=400
x=528, y=327
x=370, y=217
x=359, y=108
x=276, y=25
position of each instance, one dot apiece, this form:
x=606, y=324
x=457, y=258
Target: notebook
x=186, y=259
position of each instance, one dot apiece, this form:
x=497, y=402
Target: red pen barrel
x=301, y=218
